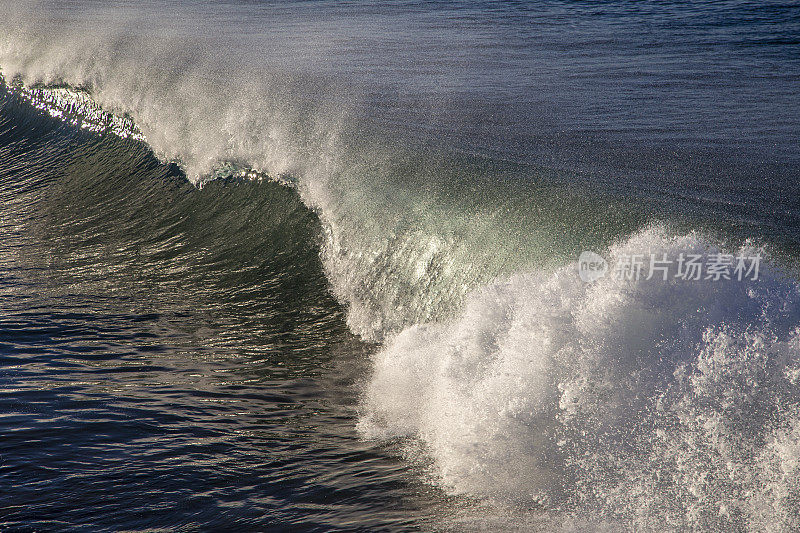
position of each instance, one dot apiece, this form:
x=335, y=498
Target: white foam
x=655, y=403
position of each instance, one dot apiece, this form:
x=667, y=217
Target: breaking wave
x=639, y=402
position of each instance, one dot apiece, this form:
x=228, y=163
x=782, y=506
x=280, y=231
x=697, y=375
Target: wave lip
x=651, y=402
x=74, y=107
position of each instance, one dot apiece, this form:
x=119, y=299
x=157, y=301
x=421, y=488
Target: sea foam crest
x=653, y=403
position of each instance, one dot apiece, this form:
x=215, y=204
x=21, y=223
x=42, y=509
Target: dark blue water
x=366, y=317
x=159, y=371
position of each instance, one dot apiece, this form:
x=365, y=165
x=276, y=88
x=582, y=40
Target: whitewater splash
x=644, y=402
x=652, y=404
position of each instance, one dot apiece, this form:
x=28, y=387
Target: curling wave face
x=405, y=234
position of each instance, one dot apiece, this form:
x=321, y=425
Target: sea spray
x=647, y=402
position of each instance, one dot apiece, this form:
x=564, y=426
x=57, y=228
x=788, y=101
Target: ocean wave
x=645, y=402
